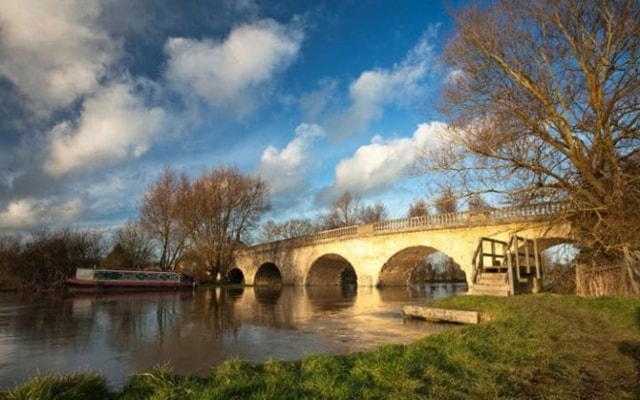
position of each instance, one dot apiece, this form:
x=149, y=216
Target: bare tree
x=50, y=256
x=344, y=212
x=162, y=216
x=271, y=231
x=418, y=208
x=222, y=206
x=348, y=210
x=298, y=227
x=10, y=249
x=373, y=213
x=117, y=258
x=477, y=203
x=446, y=201
x=544, y=104
x=133, y=245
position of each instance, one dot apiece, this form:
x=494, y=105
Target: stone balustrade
x=426, y=222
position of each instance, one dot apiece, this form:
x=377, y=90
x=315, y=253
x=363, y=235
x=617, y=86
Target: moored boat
x=112, y=279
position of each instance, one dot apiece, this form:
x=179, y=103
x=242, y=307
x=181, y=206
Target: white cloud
x=315, y=103
x=285, y=169
x=52, y=50
x=115, y=125
x=382, y=163
x=376, y=89
x=29, y=212
x=227, y=74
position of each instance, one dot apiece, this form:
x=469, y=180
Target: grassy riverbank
x=539, y=346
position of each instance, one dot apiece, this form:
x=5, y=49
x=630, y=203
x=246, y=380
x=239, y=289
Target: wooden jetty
x=442, y=314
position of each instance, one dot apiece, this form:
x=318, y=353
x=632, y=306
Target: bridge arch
x=331, y=270
x=268, y=274
x=545, y=244
x=419, y=264
x=558, y=252
x=553, y=250
x=235, y=276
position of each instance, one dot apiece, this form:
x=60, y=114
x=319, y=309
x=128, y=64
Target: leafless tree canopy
x=543, y=103
x=210, y=216
x=477, y=203
x=133, y=247
x=418, y=208
x=446, y=202
x=344, y=212
x=223, y=205
x=348, y=210
x=373, y=213
x=162, y=216
x=48, y=257
x=272, y=231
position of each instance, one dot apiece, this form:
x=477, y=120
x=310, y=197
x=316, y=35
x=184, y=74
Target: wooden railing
x=512, y=257
x=495, y=254
x=523, y=254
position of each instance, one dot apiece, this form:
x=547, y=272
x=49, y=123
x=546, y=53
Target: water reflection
x=268, y=295
x=330, y=298
x=120, y=334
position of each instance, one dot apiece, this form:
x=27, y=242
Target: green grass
x=528, y=347
x=79, y=385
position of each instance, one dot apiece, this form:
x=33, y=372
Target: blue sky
x=315, y=97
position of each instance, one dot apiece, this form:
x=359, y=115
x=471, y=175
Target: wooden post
x=538, y=260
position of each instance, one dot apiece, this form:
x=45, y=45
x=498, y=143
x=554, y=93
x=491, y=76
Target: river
x=118, y=335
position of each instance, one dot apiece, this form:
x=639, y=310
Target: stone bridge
x=389, y=252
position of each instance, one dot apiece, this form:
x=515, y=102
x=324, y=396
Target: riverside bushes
x=47, y=257
x=527, y=347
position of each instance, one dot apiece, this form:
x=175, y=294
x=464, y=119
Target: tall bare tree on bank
x=544, y=104
x=162, y=216
x=223, y=206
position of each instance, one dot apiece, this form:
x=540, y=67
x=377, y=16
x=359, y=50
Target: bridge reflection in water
x=121, y=334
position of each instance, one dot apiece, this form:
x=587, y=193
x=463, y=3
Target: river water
x=118, y=335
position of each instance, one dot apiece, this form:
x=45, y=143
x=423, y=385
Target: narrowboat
x=89, y=278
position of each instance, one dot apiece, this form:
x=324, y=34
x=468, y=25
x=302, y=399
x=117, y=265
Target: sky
x=315, y=97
